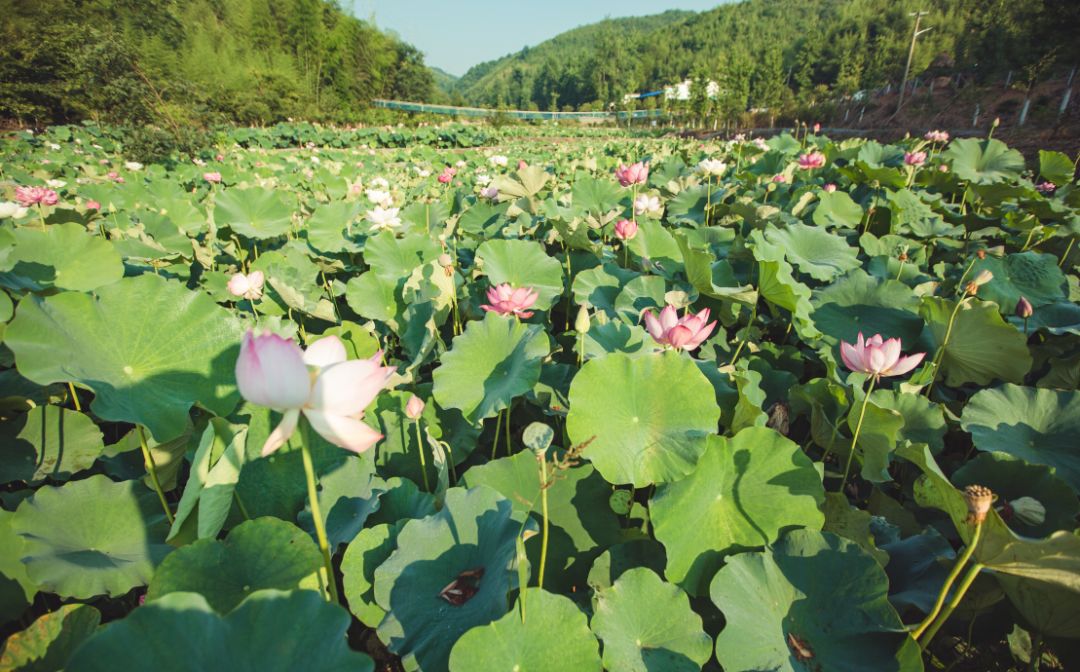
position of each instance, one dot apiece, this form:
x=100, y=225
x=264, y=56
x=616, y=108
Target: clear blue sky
x=457, y=34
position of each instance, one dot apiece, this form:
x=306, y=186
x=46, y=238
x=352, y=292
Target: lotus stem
x=498, y=426
x=420, y=447
x=936, y=363
x=969, y=578
x=316, y=512
x=855, y=437
x=544, y=511
x=74, y=397
x=41, y=216
x=708, y=198
x=949, y=580
x=151, y=468
x=1065, y=255
x=1036, y=653
x=509, y=448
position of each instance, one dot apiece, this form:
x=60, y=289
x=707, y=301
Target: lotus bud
x=414, y=408
x=983, y=277
x=447, y=262
x=981, y=254
x=979, y=498
x=581, y=322
x=1024, y=310
x=997, y=250
x=1028, y=510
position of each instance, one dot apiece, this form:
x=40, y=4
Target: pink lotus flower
x=811, y=161
x=214, y=177
x=878, y=357
x=937, y=136
x=942, y=168
x=637, y=173
x=915, y=159
x=625, y=229
x=817, y=128
x=779, y=178
x=490, y=193
x=414, y=408
x=29, y=196
x=685, y=333
x=115, y=177
x=830, y=187
x=220, y=157
x=507, y=300
x=1046, y=187
x=522, y=165
x=331, y=392
x=93, y=205
x=248, y=286
x=447, y=175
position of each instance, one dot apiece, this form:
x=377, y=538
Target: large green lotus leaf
x=1053, y=559
x=621, y=558
x=860, y=303
x=348, y=496
x=778, y=286
x=982, y=347
x=640, y=294
x=910, y=214
x=554, y=636
x=402, y=500
x=1031, y=275
x=293, y=283
x=17, y=591
x=1037, y=425
x=494, y=361
x=617, y=336
x=655, y=243
x=924, y=421
x=837, y=209
x=689, y=205
x=1012, y=478
x=211, y=485
x=257, y=554
x=374, y=297
x=984, y=161
x=1045, y=606
x=330, y=227
x=849, y=522
x=813, y=594
x=64, y=256
x=712, y=277
x=254, y=213
x=474, y=534
x=595, y=196
x=482, y=219
x=91, y=537
x=879, y=436
x=149, y=348
x=917, y=569
x=271, y=631
x=646, y=417
x=369, y=549
x=522, y=263
x=745, y=491
x=599, y=287
x=582, y=523
x=1056, y=167
x=813, y=250
x=50, y=640
x=48, y=442
x=393, y=259
x=647, y=625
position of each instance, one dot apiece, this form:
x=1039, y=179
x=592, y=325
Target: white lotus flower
x=483, y=180
x=379, y=197
x=133, y=165
x=499, y=160
x=11, y=209
x=383, y=219
x=380, y=183
x=712, y=167
x=53, y=146
x=55, y=184
x=645, y=204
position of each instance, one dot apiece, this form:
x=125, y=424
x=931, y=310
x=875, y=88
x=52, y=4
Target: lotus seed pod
x=979, y=498
x=1028, y=510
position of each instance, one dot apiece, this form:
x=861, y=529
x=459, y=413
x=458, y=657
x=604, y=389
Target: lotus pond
x=485, y=401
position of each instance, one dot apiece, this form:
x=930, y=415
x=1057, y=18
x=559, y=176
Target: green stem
x=420, y=447
x=75, y=397
x=1066, y=254
x=936, y=363
x=544, y=511
x=949, y=580
x=708, y=200
x=855, y=437
x=41, y=216
x=738, y=349
x=151, y=468
x=506, y=425
x=498, y=426
x=316, y=511
x=969, y=578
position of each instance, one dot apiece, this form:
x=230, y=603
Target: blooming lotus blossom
x=817, y=128
x=115, y=177
x=248, y=286
x=878, y=357
x=219, y=157
x=626, y=229
x=380, y=197
x=761, y=144
x=483, y=179
x=93, y=205
x=380, y=183
x=1046, y=187
x=811, y=160
x=414, y=408
x=384, y=219
x=829, y=187
x=447, y=175
x=712, y=167
x=682, y=333
x=133, y=165
x=55, y=184
x=915, y=159
x=637, y=173
x=522, y=165
x=499, y=160
x=937, y=136
x=942, y=168
x=779, y=178
x=30, y=196
x=505, y=299
x=214, y=177
x=11, y=209
x=331, y=392
x=490, y=193
x=645, y=204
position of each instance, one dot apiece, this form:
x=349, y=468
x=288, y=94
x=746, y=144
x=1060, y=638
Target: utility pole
x=911, y=53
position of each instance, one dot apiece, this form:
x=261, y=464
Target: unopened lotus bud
x=581, y=322
x=1028, y=510
x=1024, y=310
x=997, y=250
x=981, y=254
x=983, y=277
x=979, y=499
x=446, y=261
x=414, y=408
x=997, y=122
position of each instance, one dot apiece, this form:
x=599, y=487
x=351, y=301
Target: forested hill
x=197, y=61
x=768, y=52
